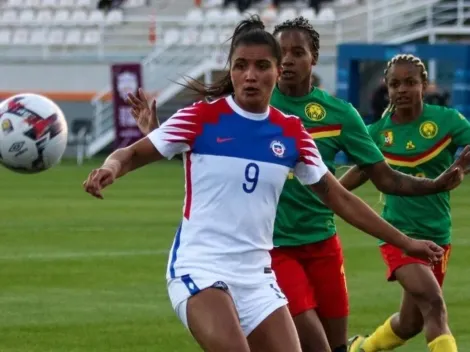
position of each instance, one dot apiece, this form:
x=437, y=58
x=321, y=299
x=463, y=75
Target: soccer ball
x=33, y=133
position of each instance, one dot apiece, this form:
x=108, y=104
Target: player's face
x=254, y=72
x=297, y=58
x=405, y=87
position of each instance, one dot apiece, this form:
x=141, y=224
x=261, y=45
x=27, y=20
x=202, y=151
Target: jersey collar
x=244, y=113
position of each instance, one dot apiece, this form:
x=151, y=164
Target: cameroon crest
x=428, y=129
x=315, y=112
x=388, y=138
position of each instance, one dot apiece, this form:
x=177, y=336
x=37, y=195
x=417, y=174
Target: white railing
x=380, y=19
x=376, y=21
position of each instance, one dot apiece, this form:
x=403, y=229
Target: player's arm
x=460, y=132
x=357, y=213
x=167, y=141
x=390, y=181
x=362, y=146
x=139, y=154
x=353, y=178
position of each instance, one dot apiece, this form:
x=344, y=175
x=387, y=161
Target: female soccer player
x=309, y=261
x=421, y=140
x=308, y=258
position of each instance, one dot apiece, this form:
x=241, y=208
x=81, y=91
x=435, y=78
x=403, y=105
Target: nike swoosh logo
x=222, y=140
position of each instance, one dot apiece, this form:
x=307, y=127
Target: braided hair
x=404, y=58
x=302, y=24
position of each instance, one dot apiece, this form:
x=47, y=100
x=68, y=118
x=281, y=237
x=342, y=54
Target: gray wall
x=54, y=76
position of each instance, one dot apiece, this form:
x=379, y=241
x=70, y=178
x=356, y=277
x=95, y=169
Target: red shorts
x=394, y=258
x=312, y=277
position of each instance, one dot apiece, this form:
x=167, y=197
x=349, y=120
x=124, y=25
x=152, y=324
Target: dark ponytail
x=250, y=31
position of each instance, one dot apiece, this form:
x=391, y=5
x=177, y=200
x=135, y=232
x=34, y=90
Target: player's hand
x=97, y=180
x=454, y=175
x=464, y=159
x=426, y=250
x=144, y=113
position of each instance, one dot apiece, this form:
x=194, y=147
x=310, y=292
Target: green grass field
x=80, y=274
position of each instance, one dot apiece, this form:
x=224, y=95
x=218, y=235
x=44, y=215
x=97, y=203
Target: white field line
x=78, y=255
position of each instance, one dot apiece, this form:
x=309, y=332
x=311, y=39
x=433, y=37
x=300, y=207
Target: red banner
x=126, y=78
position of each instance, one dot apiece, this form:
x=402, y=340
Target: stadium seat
x=225, y=34
x=269, y=15
x=171, y=36
x=5, y=37
x=9, y=17
x=61, y=17
x=190, y=36
x=114, y=17
x=346, y=2
x=195, y=14
x=31, y=4
x=251, y=11
x=83, y=3
x=18, y=4
x=287, y=14
x=73, y=37
x=79, y=17
x=26, y=16
x=326, y=15
x=231, y=16
x=91, y=37
x=213, y=15
x=55, y=36
x=38, y=37
x=208, y=37
x=308, y=13
x=20, y=37
x=51, y=4
x=133, y=3
x=44, y=17
x=66, y=3
x=96, y=18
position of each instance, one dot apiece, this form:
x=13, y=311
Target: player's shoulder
x=437, y=112
x=332, y=102
x=203, y=110
x=343, y=109
x=278, y=117
x=377, y=126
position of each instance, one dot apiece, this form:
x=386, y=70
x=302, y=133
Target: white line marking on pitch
x=73, y=255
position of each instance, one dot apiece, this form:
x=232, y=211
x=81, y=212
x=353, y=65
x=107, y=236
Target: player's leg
x=293, y=280
x=409, y=322
x=209, y=313
x=395, y=331
x=420, y=282
x=277, y=333
x=423, y=294
x=326, y=273
x=265, y=318
x=311, y=332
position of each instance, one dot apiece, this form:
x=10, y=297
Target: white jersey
x=235, y=164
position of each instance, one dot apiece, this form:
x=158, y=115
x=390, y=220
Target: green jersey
x=423, y=148
x=334, y=125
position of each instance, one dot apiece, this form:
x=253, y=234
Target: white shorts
x=253, y=304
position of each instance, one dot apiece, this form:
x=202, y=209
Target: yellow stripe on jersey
x=325, y=131
x=413, y=161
